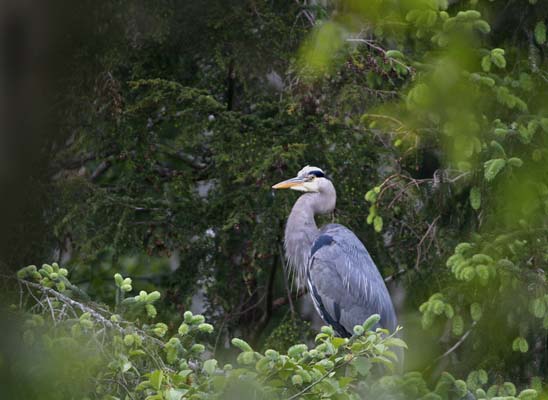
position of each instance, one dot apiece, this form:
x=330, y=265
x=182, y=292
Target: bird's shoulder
x=338, y=236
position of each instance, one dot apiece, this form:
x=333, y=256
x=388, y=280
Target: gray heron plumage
x=344, y=283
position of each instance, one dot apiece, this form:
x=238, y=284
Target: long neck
x=301, y=230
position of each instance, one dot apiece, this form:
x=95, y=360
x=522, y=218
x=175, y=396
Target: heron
x=343, y=281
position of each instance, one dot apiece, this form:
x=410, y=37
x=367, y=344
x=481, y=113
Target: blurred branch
x=304, y=11
x=458, y=343
x=395, y=275
x=100, y=170
x=431, y=228
x=282, y=301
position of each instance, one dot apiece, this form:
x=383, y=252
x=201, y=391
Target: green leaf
x=462, y=247
x=528, y=394
x=377, y=223
x=188, y=317
x=183, y=329
x=538, y=307
x=241, y=344
x=482, y=376
x=449, y=311
x=371, y=321
x=461, y=388
x=246, y=357
x=501, y=132
x=129, y=340
x=362, y=365
x=126, y=366
x=197, y=348
x=493, y=167
x=498, y=59
x=358, y=330
x=458, y=325
x=297, y=380
x=483, y=274
x=152, y=297
x=394, y=54
x=482, y=26
x=486, y=63
x=371, y=196
x=206, y=328
x=475, y=311
x=118, y=279
x=540, y=32
x=498, y=148
x=520, y=344
x=156, y=379
x=395, y=342
x=210, y=366
x=175, y=394
x=475, y=198
x=151, y=310
x=297, y=349
x=515, y=162
x=482, y=258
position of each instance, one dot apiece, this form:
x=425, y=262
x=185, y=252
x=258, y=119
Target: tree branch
x=458, y=343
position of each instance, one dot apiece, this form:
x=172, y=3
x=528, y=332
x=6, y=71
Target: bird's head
x=309, y=179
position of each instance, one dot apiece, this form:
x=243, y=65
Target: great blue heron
x=344, y=283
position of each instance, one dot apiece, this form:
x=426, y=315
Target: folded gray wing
x=345, y=284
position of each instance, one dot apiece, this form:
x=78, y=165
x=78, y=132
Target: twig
x=20, y=294
x=306, y=389
x=281, y=301
x=73, y=303
x=395, y=275
x=100, y=170
x=52, y=311
x=458, y=343
x=430, y=227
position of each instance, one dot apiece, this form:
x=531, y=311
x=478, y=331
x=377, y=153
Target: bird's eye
x=310, y=177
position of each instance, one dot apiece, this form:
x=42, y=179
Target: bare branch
x=431, y=228
x=281, y=301
x=100, y=170
x=395, y=275
x=458, y=343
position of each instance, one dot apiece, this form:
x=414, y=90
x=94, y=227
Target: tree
x=433, y=110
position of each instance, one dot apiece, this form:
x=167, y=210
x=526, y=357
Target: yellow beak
x=287, y=184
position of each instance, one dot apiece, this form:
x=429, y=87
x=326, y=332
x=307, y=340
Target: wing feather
x=346, y=282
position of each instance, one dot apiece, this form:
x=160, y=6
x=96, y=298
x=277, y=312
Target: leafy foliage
x=129, y=355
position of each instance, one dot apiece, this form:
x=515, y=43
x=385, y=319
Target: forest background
x=142, y=139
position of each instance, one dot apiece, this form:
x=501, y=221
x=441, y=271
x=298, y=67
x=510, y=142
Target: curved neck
x=301, y=230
